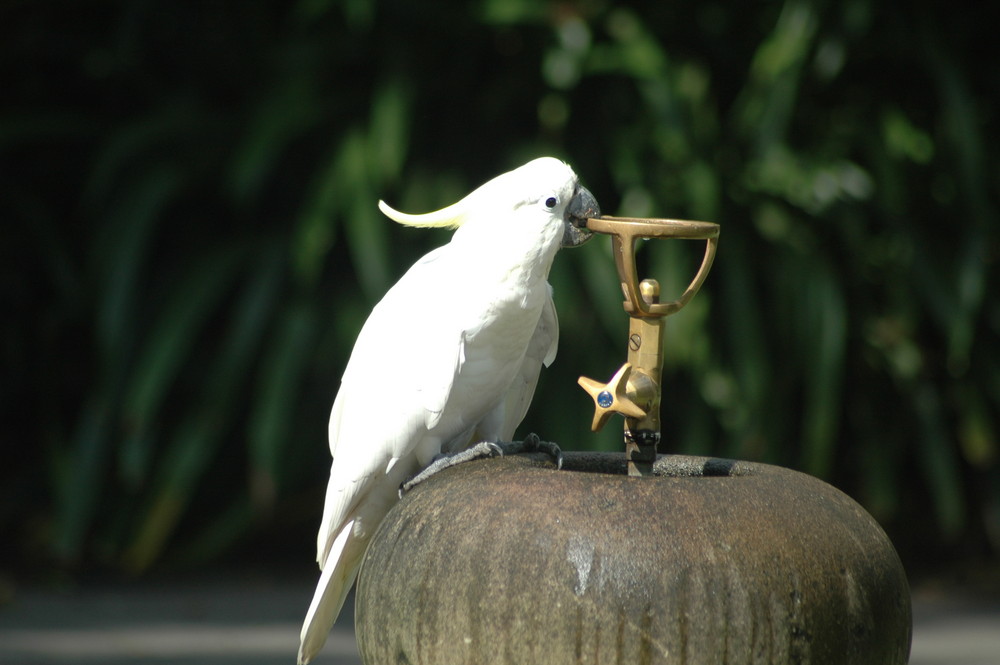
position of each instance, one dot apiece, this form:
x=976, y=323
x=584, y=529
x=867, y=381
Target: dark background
x=190, y=244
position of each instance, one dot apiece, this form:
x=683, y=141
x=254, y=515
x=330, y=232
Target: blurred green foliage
x=191, y=243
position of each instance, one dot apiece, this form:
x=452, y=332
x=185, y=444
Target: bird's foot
x=448, y=460
x=531, y=444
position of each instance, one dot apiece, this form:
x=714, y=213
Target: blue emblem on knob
x=604, y=400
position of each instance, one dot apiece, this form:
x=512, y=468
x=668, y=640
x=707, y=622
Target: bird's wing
x=395, y=384
x=541, y=351
x=379, y=416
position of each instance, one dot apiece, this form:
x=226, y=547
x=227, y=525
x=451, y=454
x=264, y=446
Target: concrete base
x=510, y=561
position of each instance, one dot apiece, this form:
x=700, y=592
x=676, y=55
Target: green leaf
x=218, y=537
x=119, y=252
x=183, y=318
x=825, y=332
x=364, y=226
x=287, y=112
x=276, y=398
x=197, y=439
x=938, y=461
x=187, y=457
x=388, y=132
x=78, y=499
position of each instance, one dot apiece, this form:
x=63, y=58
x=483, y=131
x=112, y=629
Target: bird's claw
x=487, y=449
x=533, y=444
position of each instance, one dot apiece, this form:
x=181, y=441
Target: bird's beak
x=581, y=207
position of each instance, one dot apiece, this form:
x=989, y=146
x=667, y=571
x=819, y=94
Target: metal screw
x=634, y=342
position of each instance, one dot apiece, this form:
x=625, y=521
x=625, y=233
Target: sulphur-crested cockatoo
x=449, y=357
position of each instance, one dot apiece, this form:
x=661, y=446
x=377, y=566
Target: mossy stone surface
x=712, y=561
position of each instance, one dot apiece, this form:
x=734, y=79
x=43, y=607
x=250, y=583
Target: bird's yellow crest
x=450, y=217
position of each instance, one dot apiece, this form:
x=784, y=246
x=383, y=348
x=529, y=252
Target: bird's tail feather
x=335, y=581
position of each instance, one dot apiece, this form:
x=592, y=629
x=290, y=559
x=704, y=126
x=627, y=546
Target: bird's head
x=544, y=196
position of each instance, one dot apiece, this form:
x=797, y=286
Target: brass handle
x=624, y=231
x=611, y=397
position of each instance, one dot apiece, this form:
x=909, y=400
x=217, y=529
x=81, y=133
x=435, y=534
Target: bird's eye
x=550, y=202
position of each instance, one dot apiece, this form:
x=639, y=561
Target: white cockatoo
x=449, y=357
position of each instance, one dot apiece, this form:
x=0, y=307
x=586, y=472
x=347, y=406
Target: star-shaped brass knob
x=611, y=397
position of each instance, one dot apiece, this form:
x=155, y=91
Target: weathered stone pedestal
x=714, y=561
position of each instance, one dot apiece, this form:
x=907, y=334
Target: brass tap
x=634, y=390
